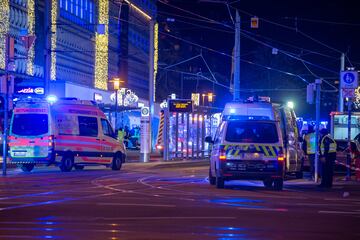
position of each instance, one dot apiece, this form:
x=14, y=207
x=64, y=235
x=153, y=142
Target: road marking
x=135, y=204
x=265, y=209
x=339, y=212
x=322, y=204
x=164, y=218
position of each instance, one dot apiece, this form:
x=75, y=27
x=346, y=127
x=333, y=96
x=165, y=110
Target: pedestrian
x=327, y=158
x=355, y=155
x=120, y=134
x=308, y=147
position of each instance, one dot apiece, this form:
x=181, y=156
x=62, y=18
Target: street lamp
x=116, y=82
x=291, y=105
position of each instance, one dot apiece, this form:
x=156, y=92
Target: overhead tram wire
x=214, y=21
x=225, y=54
x=227, y=87
x=324, y=21
x=292, y=29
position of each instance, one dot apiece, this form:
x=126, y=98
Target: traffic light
x=254, y=23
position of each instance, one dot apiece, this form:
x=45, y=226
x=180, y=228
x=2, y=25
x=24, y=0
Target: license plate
x=19, y=154
x=252, y=156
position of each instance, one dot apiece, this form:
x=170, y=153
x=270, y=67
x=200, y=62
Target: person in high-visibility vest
x=308, y=147
x=120, y=135
x=327, y=158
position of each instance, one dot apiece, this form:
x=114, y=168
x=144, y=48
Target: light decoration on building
x=156, y=55
x=195, y=97
x=54, y=13
x=357, y=97
x=144, y=14
x=31, y=32
x=101, y=47
x=4, y=30
x=126, y=98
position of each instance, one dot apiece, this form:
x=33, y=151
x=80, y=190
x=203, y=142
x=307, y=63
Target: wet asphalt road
x=150, y=201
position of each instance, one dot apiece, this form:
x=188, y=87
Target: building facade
x=80, y=45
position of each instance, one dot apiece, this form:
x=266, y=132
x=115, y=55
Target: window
x=72, y=6
x=90, y=12
x=251, y=132
x=81, y=9
x=30, y=124
x=88, y=126
x=107, y=129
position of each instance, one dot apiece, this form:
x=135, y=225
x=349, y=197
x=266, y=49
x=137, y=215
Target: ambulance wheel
x=116, y=162
x=268, y=182
x=212, y=180
x=67, y=163
x=27, y=167
x=79, y=167
x=278, y=184
x=220, y=183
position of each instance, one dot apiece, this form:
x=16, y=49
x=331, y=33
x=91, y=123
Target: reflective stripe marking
x=257, y=148
x=226, y=147
x=237, y=152
x=265, y=150
x=272, y=151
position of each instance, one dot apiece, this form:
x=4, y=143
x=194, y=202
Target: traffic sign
x=348, y=92
x=349, y=79
x=145, y=111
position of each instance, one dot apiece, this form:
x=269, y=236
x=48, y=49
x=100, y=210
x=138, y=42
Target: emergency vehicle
x=68, y=133
x=255, y=140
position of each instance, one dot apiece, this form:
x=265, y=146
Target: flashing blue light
x=51, y=98
x=232, y=110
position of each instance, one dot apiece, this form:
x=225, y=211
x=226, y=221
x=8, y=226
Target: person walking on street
x=327, y=158
x=308, y=147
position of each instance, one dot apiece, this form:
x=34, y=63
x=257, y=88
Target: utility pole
x=151, y=82
x=318, y=88
x=348, y=156
x=6, y=104
x=237, y=59
x=341, y=98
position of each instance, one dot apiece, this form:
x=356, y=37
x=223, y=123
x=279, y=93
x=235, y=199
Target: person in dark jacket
x=327, y=158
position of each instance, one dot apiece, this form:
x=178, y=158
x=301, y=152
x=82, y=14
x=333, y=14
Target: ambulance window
x=88, y=126
x=30, y=124
x=107, y=129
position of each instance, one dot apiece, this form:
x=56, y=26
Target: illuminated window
x=77, y=8
x=72, y=6
x=82, y=9
x=90, y=12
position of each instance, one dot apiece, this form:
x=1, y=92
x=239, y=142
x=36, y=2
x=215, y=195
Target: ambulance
x=68, y=133
x=255, y=140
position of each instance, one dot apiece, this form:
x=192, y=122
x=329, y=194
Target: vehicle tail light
x=159, y=147
x=222, y=155
x=51, y=140
x=281, y=157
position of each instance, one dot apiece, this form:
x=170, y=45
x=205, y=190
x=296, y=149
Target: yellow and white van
x=255, y=140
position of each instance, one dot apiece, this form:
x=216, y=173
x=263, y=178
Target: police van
x=256, y=140
x=68, y=133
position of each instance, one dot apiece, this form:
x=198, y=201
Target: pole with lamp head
x=116, y=88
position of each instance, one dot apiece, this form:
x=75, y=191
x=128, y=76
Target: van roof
x=257, y=110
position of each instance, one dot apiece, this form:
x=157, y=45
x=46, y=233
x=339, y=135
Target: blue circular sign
x=349, y=78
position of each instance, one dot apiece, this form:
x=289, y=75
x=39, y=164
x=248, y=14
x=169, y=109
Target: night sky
x=309, y=35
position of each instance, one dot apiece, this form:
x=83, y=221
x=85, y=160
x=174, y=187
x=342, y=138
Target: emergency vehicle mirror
x=208, y=139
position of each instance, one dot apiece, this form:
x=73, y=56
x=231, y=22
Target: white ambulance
x=255, y=140
x=69, y=133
